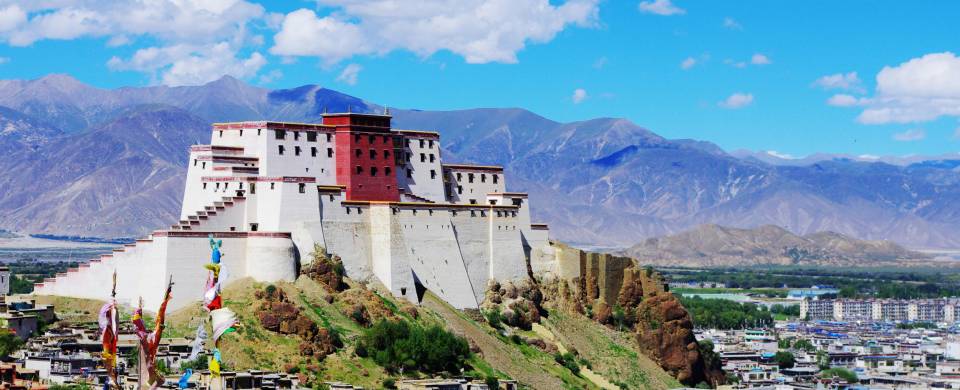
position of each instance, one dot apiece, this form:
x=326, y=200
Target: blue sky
x=858, y=77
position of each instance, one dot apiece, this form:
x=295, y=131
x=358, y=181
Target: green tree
x=9, y=343
x=804, y=345
x=785, y=359
x=840, y=372
x=492, y=382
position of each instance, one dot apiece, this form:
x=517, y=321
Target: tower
x=4, y=280
x=366, y=153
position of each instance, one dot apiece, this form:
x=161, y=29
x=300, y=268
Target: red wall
x=363, y=186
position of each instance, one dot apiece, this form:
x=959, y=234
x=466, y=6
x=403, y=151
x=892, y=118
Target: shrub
x=494, y=318
x=399, y=344
x=492, y=382
x=389, y=383
x=842, y=373
x=516, y=339
x=567, y=360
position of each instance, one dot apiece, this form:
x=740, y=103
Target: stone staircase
x=89, y=278
x=408, y=197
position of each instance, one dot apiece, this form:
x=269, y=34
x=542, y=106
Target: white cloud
x=479, y=31
x=190, y=64
x=192, y=41
x=910, y=135
x=737, y=100
x=845, y=81
x=919, y=90
x=735, y=64
x=349, y=74
x=600, y=63
x=660, y=7
x=844, y=100
x=732, y=24
x=688, y=63
x=760, y=59
x=271, y=76
x=579, y=95
x=11, y=17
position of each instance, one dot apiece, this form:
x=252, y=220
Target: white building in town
x=380, y=198
x=881, y=310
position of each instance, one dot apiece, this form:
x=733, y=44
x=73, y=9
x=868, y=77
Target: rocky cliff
x=615, y=291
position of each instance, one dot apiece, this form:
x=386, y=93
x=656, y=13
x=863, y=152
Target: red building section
x=365, y=152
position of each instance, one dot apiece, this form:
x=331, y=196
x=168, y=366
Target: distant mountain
x=717, y=246
x=98, y=162
x=774, y=158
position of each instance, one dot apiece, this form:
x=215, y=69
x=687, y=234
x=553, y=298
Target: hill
x=718, y=246
x=101, y=162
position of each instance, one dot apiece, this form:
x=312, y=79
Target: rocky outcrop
x=518, y=304
x=325, y=269
x=279, y=315
x=617, y=292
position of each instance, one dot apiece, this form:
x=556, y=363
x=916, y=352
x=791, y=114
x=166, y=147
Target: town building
x=881, y=310
x=382, y=199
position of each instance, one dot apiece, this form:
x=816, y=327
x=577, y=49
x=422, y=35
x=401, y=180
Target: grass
x=719, y=290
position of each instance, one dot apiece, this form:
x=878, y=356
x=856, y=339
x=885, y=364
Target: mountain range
x=711, y=245
x=80, y=160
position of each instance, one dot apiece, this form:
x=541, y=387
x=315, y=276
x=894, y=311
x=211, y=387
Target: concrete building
x=382, y=199
x=881, y=310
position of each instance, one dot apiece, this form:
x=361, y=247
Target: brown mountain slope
x=716, y=246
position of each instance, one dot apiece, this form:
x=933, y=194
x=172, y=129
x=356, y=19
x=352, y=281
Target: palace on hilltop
x=382, y=199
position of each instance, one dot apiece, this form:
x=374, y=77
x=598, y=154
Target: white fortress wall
x=470, y=184
x=471, y=225
x=507, y=258
x=433, y=253
x=346, y=230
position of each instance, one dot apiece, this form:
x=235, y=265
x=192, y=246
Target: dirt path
x=586, y=372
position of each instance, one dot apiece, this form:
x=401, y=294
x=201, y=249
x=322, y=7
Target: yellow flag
x=214, y=367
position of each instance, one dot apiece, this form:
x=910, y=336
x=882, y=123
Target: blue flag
x=186, y=376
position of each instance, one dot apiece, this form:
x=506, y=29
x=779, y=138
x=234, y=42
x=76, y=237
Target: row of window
x=297, y=151
x=373, y=153
x=302, y=187
x=373, y=171
x=311, y=135
x=423, y=143
x=483, y=177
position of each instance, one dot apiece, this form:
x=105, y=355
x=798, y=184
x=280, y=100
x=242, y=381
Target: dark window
x=359, y=153
x=373, y=171
x=406, y=142
x=203, y=165
x=204, y=185
x=495, y=179
x=194, y=162
x=421, y=143
x=371, y=139
x=430, y=143
x=329, y=137
x=280, y=134
x=433, y=174
x=459, y=176
x=386, y=154
x=311, y=136
x=272, y=185
x=296, y=150
x=313, y=151
x=409, y=172
x=254, y=227
x=432, y=159
x=423, y=157
x=329, y=152
x=221, y=133
x=459, y=190
x=258, y=132
x=493, y=202
x=296, y=135
x=302, y=188
x=483, y=177
x=356, y=138
x=386, y=139
x=517, y=201
x=280, y=149
x=408, y=156
x=359, y=169
x=474, y=201
x=470, y=177
x=253, y=188
x=373, y=154
x=386, y=171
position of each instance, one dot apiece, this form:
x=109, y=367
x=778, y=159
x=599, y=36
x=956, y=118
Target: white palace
x=381, y=198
